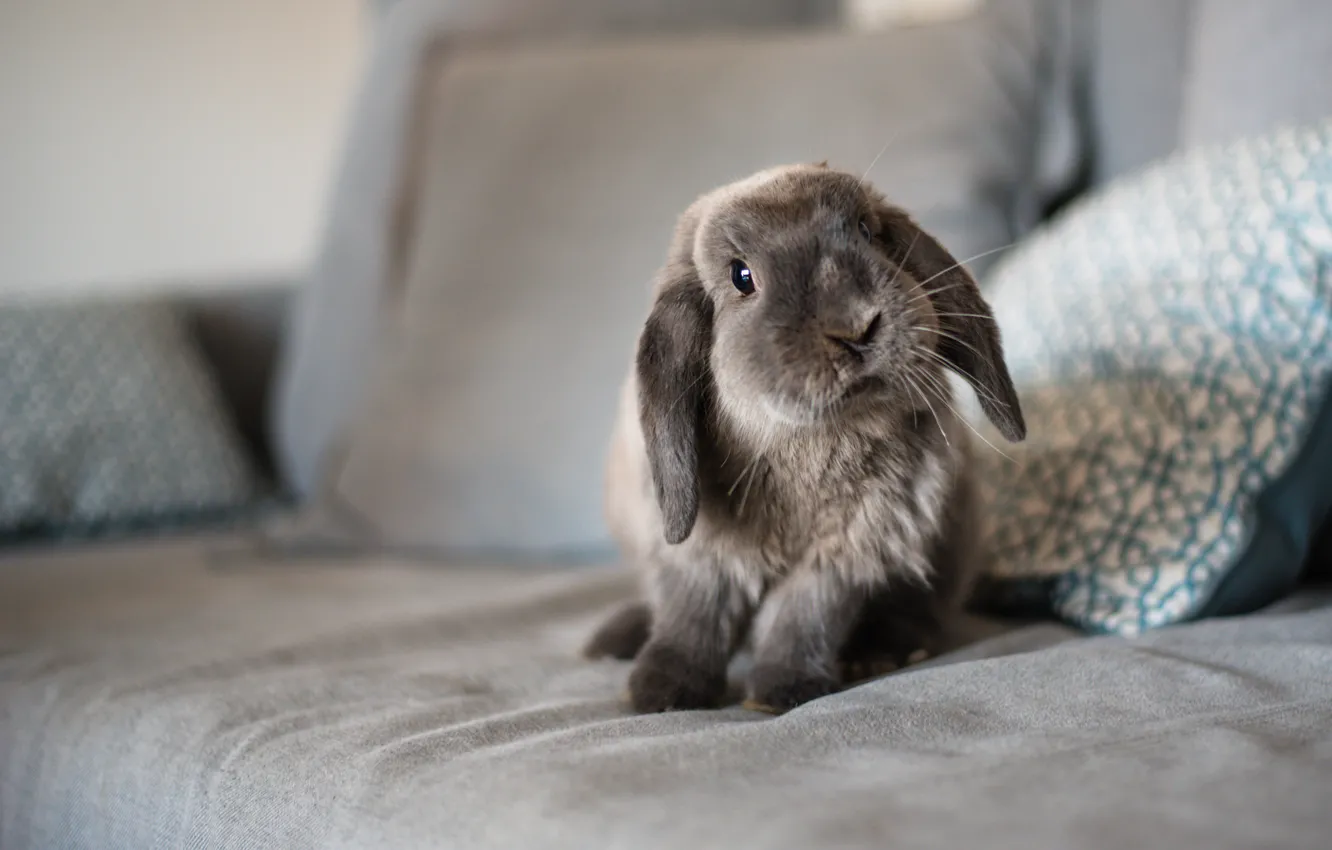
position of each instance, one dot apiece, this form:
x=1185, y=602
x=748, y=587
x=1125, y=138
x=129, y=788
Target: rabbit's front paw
x=665, y=679
x=776, y=690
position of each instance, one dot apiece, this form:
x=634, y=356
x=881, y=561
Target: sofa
x=379, y=645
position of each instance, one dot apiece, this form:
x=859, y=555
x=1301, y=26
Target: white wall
x=148, y=142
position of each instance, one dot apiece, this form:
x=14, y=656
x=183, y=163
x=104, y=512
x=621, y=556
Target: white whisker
x=905, y=257
x=927, y=293
x=912, y=373
x=947, y=335
x=741, y=476
x=903, y=384
x=973, y=430
x=971, y=382
x=960, y=263
x=744, y=497
x=935, y=383
x=883, y=150
x=753, y=473
x=981, y=436
x=962, y=316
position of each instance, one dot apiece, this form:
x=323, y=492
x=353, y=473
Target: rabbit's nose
x=857, y=341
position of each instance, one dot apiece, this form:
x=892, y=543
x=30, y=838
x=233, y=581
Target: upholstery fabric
x=546, y=16
x=549, y=181
x=1162, y=75
x=1171, y=337
x=108, y=417
x=1136, y=55
x=1254, y=66
x=238, y=328
x=196, y=694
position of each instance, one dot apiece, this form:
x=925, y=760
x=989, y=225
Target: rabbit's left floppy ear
x=672, y=368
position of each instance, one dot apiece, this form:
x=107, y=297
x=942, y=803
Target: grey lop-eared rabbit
x=787, y=465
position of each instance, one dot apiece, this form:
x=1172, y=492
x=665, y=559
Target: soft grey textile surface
x=500, y=317
x=1254, y=65
x=238, y=327
x=109, y=417
x=620, y=15
x=1136, y=54
x=187, y=695
x=1166, y=74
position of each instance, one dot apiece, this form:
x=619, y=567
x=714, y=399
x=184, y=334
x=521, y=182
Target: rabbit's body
x=864, y=498
x=786, y=464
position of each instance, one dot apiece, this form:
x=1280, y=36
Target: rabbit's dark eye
x=865, y=230
x=742, y=277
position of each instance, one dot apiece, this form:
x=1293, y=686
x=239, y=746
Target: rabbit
x=786, y=464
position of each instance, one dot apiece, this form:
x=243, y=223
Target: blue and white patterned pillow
x=1171, y=338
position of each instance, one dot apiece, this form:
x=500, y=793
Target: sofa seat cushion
x=200, y=693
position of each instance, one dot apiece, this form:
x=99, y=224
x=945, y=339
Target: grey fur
x=791, y=459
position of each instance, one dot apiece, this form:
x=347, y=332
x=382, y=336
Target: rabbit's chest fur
x=867, y=501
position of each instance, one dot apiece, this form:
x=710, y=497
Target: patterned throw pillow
x=108, y=417
x=1171, y=337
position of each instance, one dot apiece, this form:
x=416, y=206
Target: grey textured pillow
x=458, y=397
x=108, y=417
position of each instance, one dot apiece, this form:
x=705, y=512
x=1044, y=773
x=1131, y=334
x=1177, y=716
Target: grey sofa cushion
x=108, y=417
x=185, y=696
x=501, y=318
x=1256, y=65
x=238, y=329
x=546, y=16
x=1136, y=60
x=1166, y=74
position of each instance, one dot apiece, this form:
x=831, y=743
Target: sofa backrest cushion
x=455, y=363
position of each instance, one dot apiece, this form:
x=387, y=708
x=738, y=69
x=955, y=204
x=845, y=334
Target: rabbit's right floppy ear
x=672, y=367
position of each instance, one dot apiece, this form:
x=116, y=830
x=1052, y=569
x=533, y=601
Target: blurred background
x=151, y=144
x=185, y=156
x=206, y=155
x=156, y=144
x=286, y=196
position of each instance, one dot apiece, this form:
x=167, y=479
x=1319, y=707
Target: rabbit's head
x=803, y=296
